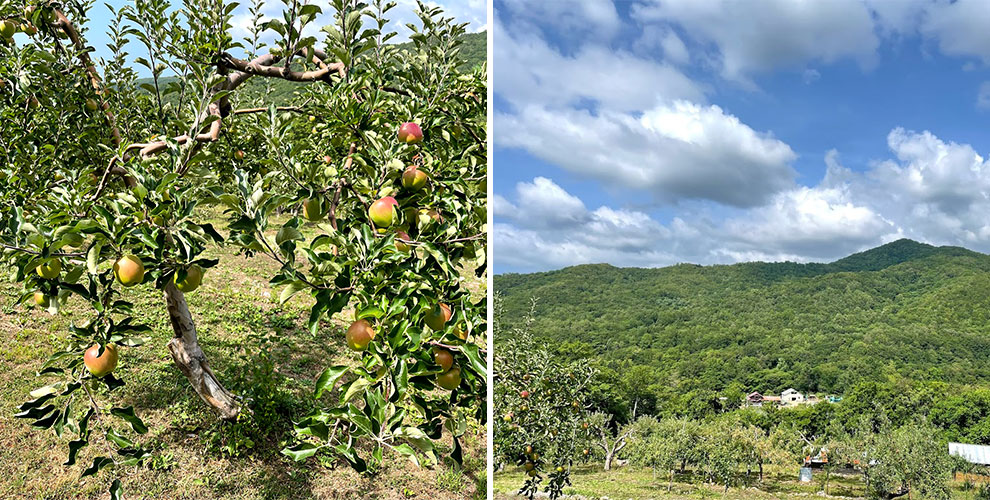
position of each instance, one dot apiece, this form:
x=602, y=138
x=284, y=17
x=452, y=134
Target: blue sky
x=473, y=12
x=652, y=132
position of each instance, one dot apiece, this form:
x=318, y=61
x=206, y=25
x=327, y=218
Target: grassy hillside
x=904, y=310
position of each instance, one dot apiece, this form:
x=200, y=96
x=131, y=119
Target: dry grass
x=196, y=457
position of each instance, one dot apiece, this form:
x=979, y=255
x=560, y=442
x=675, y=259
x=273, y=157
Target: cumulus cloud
x=806, y=224
x=575, y=19
x=802, y=224
x=530, y=71
x=959, y=27
x=929, y=189
x=547, y=227
x=754, y=37
x=665, y=40
x=675, y=152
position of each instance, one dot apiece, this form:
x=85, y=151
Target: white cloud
x=547, y=227
x=800, y=224
x=754, y=37
x=530, y=71
x=959, y=27
x=572, y=19
x=655, y=38
x=931, y=190
x=808, y=223
x=676, y=152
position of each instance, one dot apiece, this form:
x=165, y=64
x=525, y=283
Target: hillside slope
x=904, y=309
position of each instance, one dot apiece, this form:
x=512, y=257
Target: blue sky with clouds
x=473, y=12
x=651, y=132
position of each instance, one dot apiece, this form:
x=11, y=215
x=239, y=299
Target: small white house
x=791, y=397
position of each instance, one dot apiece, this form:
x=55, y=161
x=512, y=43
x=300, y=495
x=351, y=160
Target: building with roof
x=972, y=453
x=791, y=397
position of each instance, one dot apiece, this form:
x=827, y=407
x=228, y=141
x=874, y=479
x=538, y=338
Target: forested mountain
x=904, y=310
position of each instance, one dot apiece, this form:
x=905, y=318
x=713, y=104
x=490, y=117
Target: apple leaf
x=74, y=447
x=128, y=415
x=301, y=451
x=328, y=378
x=115, y=490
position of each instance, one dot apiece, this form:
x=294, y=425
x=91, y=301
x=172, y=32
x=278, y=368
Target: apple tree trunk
x=190, y=359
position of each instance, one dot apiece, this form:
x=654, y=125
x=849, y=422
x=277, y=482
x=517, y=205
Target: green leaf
x=292, y=288
x=115, y=438
x=35, y=412
x=417, y=438
x=128, y=415
x=115, y=490
x=74, y=447
x=328, y=378
x=287, y=234
x=356, y=387
x=408, y=451
x=93, y=256
x=474, y=356
x=369, y=312
x=98, y=463
x=301, y=451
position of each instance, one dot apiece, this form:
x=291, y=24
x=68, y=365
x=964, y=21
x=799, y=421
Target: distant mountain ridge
x=904, y=309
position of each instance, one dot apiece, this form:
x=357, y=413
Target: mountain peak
x=893, y=253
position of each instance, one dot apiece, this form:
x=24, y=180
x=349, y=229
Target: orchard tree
x=659, y=445
x=101, y=176
x=607, y=436
x=541, y=409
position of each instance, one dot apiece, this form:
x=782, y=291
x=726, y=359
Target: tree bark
x=190, y=359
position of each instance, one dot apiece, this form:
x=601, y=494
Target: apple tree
x=381, y=154
x=541, y=410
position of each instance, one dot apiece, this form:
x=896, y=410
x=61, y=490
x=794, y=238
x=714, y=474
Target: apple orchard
x=381, y=155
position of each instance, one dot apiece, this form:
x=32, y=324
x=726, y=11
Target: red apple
x=100, y=365
x=524, y=394
x=360, y=335
x=384, y=212
x=438, y=316
x=443, y=358
x=400, y=246
x=410, y=133
x=450, y=379
x=413, y=178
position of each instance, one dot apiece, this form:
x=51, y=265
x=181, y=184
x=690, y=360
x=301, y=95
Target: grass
x=258, y=349
x=633, y=483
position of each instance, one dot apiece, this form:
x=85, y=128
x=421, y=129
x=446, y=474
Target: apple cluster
x=129, y=271
x=383, y=214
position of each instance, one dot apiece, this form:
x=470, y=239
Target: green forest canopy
x=904, y=310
